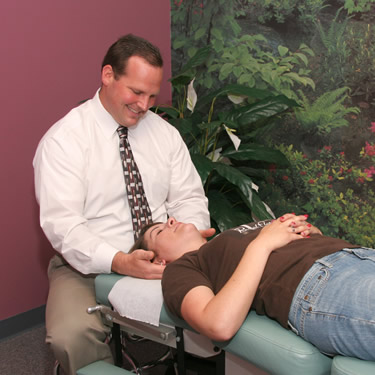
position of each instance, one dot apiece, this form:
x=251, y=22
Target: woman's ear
x=160, y=261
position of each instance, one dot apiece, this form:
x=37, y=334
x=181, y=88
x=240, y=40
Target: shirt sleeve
x=60, y=188
x=179, y=278
x=186, y=199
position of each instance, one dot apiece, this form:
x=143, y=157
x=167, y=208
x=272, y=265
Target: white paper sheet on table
x=137, y=299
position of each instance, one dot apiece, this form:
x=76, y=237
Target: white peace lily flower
x=254, y=187
x=237, y=99
x=236, y=141
x=191, y=96
x=216, y=155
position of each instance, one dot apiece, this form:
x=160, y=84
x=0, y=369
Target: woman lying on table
x=321, y=287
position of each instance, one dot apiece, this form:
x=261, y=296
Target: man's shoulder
x=155, y=120
x=73, y=121
x=155, y=127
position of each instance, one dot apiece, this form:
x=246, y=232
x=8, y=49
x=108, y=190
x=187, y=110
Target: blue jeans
x=333, y=307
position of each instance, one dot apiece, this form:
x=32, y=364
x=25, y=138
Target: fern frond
x=326, y=112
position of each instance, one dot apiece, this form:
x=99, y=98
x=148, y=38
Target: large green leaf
x=203, y=165
x=244, y=184
x=258, y=209
x=187, y=71
x=233, y=89
x=253, y=151
x=237, y=178
x=182, y=79
x=184, y=126
x=256, y=173
x=170, y=111
x=265, y=108
x=210, y=126
x=223, y=213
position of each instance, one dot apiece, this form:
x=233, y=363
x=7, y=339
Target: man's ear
x=107, y=75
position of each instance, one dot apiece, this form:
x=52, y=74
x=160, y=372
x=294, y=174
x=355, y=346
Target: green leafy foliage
x=354, y=6
x=248, y=60
x=196, y=24
x=326, y=113
x=333, y=191
x=335, y=54
x=304, y=11
x=229, y=174
x=251, y=60
x=360, y=65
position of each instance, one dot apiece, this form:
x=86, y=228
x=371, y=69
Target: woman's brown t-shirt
x=214, y=263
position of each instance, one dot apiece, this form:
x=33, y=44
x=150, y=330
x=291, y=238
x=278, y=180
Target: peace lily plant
x=220, y=131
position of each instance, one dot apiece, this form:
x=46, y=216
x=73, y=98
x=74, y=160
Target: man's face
x=128, y=97
x=172, y=239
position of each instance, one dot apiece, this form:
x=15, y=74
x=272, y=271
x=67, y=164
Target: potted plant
x=220, y=131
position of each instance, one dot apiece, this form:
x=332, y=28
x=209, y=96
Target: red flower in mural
x=330, y=178
x=272, y=168
x=370, y=171
x=328, y=148
x=303, y=173
x=370, y=149
x=361, y=180
x=311, y=181
x=372, y=127
x=285, y=178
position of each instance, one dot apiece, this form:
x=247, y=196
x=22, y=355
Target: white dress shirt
x=80, y=186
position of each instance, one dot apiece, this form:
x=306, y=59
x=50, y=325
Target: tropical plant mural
x=320, y=55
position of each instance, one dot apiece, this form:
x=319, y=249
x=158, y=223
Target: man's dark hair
x=127, y=46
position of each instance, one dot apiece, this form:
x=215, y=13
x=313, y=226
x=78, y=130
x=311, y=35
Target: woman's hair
x=140, y=243
x=127, y=46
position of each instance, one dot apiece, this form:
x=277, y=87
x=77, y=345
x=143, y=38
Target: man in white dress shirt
x=84, y=209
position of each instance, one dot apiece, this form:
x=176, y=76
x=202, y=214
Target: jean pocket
x=363, y=253
x=315, y=285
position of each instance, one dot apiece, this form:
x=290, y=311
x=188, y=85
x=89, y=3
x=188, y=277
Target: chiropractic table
x=260, y=347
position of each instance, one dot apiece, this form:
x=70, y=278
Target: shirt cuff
x=102, y=261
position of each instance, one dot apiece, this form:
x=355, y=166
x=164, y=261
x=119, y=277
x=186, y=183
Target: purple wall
x=51, y=53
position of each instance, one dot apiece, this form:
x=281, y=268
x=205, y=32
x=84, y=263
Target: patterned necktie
x=140, y=210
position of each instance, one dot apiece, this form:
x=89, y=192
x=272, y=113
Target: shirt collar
x=104, y=119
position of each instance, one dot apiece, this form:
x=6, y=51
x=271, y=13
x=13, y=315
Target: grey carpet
x=26, y=354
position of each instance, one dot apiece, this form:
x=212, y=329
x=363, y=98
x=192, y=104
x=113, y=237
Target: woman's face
x=172, y=239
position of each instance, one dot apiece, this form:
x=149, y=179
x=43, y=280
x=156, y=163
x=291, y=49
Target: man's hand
x=207, y=232
x=137, y=264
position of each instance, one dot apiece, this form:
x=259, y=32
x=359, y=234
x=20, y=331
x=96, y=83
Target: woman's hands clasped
x=285, y=229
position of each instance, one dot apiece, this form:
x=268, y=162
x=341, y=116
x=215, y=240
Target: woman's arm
x=220, y=316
